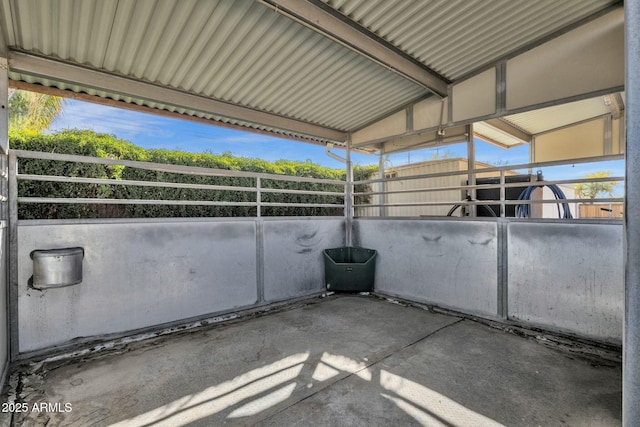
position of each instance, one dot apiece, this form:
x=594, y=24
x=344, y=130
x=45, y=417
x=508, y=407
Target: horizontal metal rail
x=304, y=205
x=162, y=167
x=492, y=186
x=505, y=168
x=317, y=193
x=493, y=202
x=73, y=180
x=101, y=181
x=96, y=201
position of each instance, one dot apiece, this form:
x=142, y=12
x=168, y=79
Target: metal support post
x=4, y=141
x=12, y=279
x=471, y=165
x=258, y=198
x=4, y=106
x=5, y=259
x=348, y=201
x=532, y=152
x=382, y=198
x=503, y=195
x=631, y=333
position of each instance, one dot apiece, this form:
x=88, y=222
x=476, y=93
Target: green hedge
x=89, y=143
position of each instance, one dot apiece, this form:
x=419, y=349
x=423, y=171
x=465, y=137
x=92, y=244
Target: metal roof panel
x=477, y=32
x=234, y=51
x=245, y=53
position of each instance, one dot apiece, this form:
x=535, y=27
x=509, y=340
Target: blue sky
x=151, y=131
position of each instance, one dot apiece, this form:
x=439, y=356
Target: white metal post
x=631, y=332
x=7, y=254
x=503, y=196
x=4, y=106
x=348, y=202
x=258, y=198
x=382, y=198
x=471, y=165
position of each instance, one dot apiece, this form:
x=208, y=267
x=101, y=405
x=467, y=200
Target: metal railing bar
x=587, y=201
x=536, y=165
x=496, y=202
x=304, y=205
x=55, y=200
x=162, y=167
x=492, y=186
x=412, y=177
x=302, y=179
x=65, y=179
x=423, y=190
x=312, y=192
x=92, y=201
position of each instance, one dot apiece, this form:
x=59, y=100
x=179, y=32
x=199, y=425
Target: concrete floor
x=348, y=360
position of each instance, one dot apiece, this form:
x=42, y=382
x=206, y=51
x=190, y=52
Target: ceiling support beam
x=507, y=127
x=99, y=80
x=332, y=25
x=427, y=139
x=615, y=104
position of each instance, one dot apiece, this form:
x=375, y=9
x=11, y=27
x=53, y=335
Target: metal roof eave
x=59, y=73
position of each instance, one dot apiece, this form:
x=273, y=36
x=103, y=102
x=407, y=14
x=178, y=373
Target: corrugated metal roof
x=161, y=106
x=545, y=119
x=478, y=32
x=235, y=51
x=244, y=53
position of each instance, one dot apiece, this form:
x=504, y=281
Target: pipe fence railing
x=260, y=194
x=257, y=187
x=422, y=198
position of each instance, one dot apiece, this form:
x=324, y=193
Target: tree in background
x=446, y=154
x=591, y=190
x=33, y=111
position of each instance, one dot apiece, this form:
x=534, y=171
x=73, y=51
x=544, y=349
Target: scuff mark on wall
x=483, y=243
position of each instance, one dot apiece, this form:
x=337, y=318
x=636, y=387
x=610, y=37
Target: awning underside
x=317, y=71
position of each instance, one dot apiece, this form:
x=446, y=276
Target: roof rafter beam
x=360, y=40
x=510, y=129
x=615, y=104
x=94, y=79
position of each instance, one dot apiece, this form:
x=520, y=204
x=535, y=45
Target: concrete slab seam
x=383, y=355
x=580, y=347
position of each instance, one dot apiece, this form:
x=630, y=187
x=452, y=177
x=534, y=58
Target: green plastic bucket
x=349, y=269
